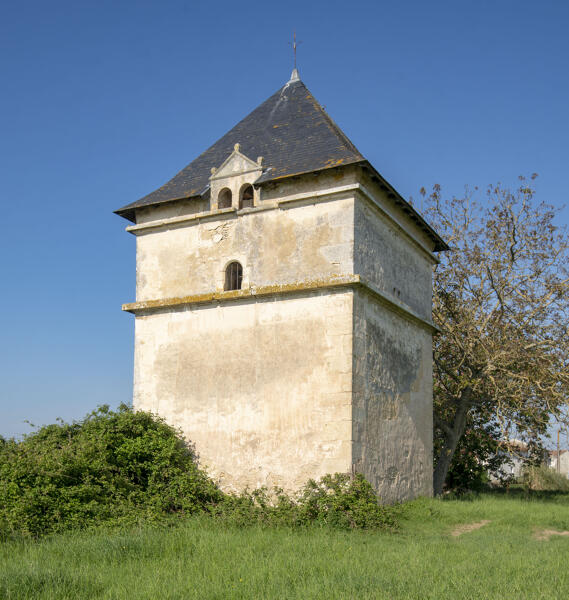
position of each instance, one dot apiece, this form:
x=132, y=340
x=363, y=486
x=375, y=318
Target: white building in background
x=517, y=452
x=559, y=462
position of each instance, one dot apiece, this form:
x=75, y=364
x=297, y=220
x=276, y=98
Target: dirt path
x=468, y=528
x=543, y=535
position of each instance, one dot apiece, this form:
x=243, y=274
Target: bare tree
x=501, y=301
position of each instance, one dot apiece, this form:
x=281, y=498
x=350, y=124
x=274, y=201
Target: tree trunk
x=452, y=437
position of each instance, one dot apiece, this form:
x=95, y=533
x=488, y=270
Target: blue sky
x=102, y=102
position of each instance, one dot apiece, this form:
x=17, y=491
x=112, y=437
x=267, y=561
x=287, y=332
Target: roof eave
x=440, y=244
x=128, y=212
x=268, y=178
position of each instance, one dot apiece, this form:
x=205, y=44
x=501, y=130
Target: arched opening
x=224, y=198
x=233, y=276
x=246, y=197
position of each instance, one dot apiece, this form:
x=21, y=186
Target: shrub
x=111, y=466
x=337, y=501
x=121, y=467
x=543, y=478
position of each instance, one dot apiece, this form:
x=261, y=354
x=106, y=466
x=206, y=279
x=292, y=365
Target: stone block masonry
x=283, y=308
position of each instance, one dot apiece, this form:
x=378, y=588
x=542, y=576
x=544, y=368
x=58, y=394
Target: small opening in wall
x=224, y=198
x=246, y=197
x=233, y=276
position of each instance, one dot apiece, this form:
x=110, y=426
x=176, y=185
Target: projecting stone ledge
x=280, y=289
x=223, y=296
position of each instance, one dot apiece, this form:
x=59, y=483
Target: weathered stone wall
x=274, y=246
x=398, y=268
x=385, y=201
x=277, y=388
x=172, y=209
x=262, y=387
x=392, y=401
x=310, y=184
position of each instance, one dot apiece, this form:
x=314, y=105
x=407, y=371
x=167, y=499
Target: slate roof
x=293, y=134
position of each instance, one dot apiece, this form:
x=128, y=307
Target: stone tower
x=283, y=307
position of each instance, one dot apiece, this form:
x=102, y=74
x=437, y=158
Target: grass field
x=203, y=559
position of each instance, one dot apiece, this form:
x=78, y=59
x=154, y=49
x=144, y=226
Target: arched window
x=224, y=198
x=246, y=197
x=233, y=276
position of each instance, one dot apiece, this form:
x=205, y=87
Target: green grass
x=203, y=559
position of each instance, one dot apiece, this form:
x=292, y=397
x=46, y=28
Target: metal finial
x=294, y=45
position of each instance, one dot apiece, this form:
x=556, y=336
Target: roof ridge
x=335, y=127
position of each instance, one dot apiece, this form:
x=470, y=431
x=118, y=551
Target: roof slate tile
x=290, y=131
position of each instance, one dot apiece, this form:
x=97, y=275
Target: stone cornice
x=222, y=297
x=224, y=213
x=395, y=305
x=283, y=203
x=395, y=222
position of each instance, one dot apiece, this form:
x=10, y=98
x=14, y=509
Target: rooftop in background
x=294, y=135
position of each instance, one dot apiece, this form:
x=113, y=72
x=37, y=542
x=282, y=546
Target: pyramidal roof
x=290, y=131
x=293, y=134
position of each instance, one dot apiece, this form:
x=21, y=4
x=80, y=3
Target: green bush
x=122, y=467
x=111, y=466
x=337, y=501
